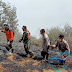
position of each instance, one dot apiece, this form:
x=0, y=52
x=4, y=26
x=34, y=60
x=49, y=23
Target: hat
x=61, y=36
x=6, y=25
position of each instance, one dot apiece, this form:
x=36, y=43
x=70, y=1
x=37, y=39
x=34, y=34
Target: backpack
x=12, y=31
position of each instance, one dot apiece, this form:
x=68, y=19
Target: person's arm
x=55, y=45
x=67, y=46
x=2, y=31
x=21, y=39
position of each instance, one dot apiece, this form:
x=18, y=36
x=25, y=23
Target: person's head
x=24, y=28
x=61, y=37
x=6, y=26
x=42, y=31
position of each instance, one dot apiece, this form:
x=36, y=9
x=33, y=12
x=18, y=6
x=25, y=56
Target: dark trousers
x=27, y=50
x=45, y=53
x=8, y=47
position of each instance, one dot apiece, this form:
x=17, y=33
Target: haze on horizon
x=37, y=14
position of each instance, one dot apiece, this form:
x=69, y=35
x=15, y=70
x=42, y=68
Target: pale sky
x=37, y=14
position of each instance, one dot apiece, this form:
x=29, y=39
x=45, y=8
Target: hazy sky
x=37, y=14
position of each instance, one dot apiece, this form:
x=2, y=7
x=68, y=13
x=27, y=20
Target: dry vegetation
x=53, y=35
x=8, y=15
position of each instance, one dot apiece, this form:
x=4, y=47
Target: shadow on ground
x=18, y=62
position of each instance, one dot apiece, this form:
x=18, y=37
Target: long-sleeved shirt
x=62, y=45
x=25, y=37
x=46, y=41
x=9, y=35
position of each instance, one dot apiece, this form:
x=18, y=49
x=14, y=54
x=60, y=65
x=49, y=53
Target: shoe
x=11, y=50
x=26, y=55
x=8, y=53
x=47, y=59
x=43, y=59
x=31, y=56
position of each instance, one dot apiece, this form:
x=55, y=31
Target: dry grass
x=37, y=42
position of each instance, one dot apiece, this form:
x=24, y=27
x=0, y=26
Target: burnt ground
x=18, y=62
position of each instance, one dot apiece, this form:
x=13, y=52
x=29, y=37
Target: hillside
x=18, y=62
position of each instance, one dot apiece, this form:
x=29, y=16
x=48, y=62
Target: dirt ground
x=18, y=62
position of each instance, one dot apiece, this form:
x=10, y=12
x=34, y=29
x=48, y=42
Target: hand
x=19, y=40
x=8, y=43
x=26, y=47
x=51, y=46
x=62, y=56
x=0, y=30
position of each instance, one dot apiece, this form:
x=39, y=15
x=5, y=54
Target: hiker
x=46, y=43
x=26, y=41
x=10, y=37
x=62, y=45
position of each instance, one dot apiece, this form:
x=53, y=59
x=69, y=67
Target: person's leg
x=64, y=55
x=47, y=55
x=9, y=47
x=48, y=48
x=26, y=49
x=43, y=54
x=12, y=50
x=62, y=61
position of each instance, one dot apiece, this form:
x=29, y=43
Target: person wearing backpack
x=26, y=41
x=10, y=38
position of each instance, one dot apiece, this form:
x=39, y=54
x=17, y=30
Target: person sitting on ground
x=62, y=45
x=46, y=43
x=26, y=41
x=10, y=38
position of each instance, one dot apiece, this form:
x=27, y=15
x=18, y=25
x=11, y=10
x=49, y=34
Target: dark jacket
x=25, y=37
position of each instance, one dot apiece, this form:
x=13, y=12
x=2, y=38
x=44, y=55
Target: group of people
x=61, y=43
